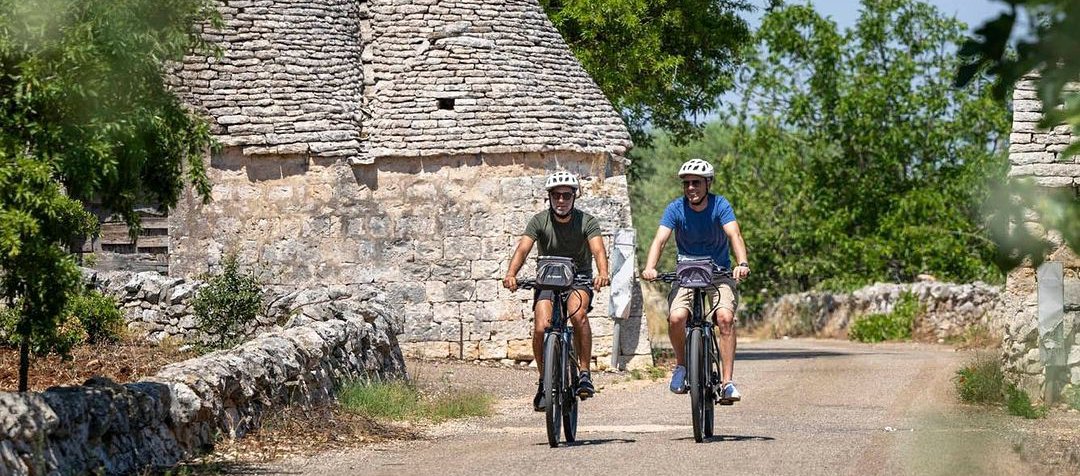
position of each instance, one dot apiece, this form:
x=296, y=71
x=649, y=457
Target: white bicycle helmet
x=561, y=178
x=696, y=167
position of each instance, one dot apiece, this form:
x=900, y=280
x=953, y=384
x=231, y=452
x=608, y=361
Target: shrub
x=69, y=333
x=227, y=306
x=99, y=315
x=1071, y=394
x=1017, y=402
x=89, y=316
x=896, y=325
x=981, y=381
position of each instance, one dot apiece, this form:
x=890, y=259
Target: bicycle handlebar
x=671, y=277
x=531, y=283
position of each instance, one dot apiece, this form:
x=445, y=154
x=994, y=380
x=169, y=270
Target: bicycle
x=560, y=359
x=702, y=352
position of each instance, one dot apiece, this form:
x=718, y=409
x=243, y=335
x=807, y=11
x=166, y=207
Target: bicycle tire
x=697, y=384
x=570, y=401
x=710, y=385
x=553, y=388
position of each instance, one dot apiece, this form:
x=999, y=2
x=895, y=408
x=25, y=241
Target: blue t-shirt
x=701, y=233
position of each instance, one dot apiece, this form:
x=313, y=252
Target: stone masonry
x=1036, y=153
x=400, y=144
x=949, y=310
x=107, y=428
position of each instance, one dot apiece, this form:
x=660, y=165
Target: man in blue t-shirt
x=704, y=225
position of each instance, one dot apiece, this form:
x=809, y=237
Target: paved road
x=810, y=407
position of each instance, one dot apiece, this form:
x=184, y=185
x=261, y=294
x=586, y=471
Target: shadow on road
x=599, y=441
x=771, y=354
x=719, y=438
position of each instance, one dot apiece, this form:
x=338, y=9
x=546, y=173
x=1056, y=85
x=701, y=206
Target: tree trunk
x=24, y=361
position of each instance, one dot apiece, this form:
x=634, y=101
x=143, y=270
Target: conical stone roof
x=383, y=78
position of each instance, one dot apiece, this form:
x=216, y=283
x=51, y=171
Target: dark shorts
x=549, y=295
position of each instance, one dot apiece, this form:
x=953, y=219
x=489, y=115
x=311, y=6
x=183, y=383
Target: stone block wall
x=108, y=428
x=1036, y=153
x=435, y=233
x=949, y=310
x=159, y=307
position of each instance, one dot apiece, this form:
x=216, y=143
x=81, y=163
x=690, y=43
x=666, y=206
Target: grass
x=401, y=400
x=896, y=325
x=977, y=336
x=1071, y=396
x=982, y=382
x=651, y=372
x=1017, y=402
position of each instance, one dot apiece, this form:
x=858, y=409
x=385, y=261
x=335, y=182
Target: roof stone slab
x=289, y=79
x=379, y=78
x=513, y=82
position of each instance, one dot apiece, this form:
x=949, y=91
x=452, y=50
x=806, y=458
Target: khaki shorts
x=722, y=295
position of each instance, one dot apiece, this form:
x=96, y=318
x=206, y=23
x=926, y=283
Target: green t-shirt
x=570, y=240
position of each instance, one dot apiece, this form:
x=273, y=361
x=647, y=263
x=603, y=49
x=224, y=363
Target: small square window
x=446, y=104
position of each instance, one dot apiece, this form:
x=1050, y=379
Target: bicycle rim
x=709, y=388
x=553, y=388
x=570, y=401
x=697, y=383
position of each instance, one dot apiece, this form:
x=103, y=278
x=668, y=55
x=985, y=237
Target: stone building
x=1032, y=354
x=401, y=143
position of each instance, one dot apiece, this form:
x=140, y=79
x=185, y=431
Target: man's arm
x=524, y=246
x=738, y=246
x=596, y=245
x=657, y=246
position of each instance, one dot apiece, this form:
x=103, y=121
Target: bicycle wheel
x=696, y=367
x=553, y=387
x=710, y=384
x=570, y=401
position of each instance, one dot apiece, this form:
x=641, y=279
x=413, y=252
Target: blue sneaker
x=678, y=380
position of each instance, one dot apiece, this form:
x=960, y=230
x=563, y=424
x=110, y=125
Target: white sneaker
x=729, y=394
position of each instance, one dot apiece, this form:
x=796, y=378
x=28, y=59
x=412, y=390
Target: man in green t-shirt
x=563, y=230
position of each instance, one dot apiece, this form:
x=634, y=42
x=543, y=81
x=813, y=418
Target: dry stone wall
x=104, y=427
x=1036, y=154
x=949, y=309
x=434, y=233
x=159, y=307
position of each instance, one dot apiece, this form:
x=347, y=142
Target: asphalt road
x=809, y=407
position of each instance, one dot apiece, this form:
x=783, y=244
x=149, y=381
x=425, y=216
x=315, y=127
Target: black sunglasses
x=561, y=195
x=694, y=183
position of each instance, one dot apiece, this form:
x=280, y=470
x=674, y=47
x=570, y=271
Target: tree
x=853, y=160
x=1051, y=50
x=662, y=63
x=85, y=114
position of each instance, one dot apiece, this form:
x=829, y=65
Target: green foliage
x=1071, y=394
x=1049, y=50
x=981, y=381
x=852, y=159
x=1017, y=402
x=89, y=317
x=651, y=372
x=896, y=325
x=99, y=316
x=85, y=113
x=227, y=306
x=662, y=63
x=401, y=400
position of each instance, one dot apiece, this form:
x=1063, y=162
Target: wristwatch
x=747, y=265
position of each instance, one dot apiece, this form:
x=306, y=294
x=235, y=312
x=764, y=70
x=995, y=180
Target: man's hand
x=510, y=282
x=600, y=281
x=649, y=274
x=740, y=272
